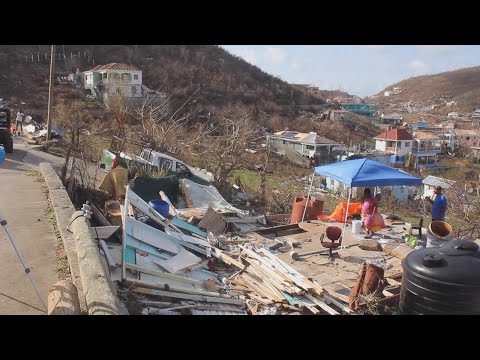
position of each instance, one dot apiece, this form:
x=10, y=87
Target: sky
x=361, y=70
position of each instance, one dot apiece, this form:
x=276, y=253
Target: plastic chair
x=419, y=228
x=333, y=234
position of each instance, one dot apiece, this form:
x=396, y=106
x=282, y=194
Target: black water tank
x=442, y=281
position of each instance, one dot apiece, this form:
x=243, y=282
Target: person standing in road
x=19, y=121
x=439, y=205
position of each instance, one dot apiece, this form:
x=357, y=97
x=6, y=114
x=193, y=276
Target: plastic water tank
x=161, y=206
x=442, y=281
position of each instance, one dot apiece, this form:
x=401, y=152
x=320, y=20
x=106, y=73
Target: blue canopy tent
x=363, y=173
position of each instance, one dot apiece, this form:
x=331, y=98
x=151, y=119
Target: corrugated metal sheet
x=436, y=181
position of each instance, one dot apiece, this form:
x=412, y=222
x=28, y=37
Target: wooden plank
x=260, y=288
x=292, y=299
x=338, y=295
x=227, y=259
x=172, y=285
x=287, y=270
x=261, y=300
x=329, y=299
x=274, y=276
x=183, y=260
x=189, y=227
x=150, y=235
x=393, y=282
x=321, y=304
x=165, y=275
x=315, y=287
x=176, y=295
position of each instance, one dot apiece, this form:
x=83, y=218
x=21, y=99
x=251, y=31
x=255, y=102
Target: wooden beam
x=175, y=295
x=321, y=304
x=227, y=259
x=329, y=299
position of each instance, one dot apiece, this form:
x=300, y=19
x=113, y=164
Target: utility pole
x=50, y=88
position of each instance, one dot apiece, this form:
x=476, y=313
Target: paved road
x=23, y=203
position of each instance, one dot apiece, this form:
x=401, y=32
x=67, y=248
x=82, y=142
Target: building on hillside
x=304, y=148
x=453, y=115
x=397, y=142
x=467, y=138
x=475, y=152
x=425, y=149
x=117, y=79
x=360, y=109
x=443, y=131
x=391, y=119
x=340, y=115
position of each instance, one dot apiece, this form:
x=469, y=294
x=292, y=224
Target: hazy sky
x=360, y=70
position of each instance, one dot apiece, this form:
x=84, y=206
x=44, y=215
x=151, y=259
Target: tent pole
x=308, y=197
x=346, y=216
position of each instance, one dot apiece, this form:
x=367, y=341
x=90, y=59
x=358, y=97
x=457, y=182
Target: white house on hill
x=114, y=78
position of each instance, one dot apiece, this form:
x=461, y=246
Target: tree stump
x=63, y=299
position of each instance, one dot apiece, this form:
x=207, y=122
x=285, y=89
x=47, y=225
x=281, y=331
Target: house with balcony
x=114, y=78
x=397, y=142
x=307, y=149
x=426, y=147
x=117, y=79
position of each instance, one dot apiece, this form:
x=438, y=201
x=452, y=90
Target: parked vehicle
x=6, y=129
x=152, y=160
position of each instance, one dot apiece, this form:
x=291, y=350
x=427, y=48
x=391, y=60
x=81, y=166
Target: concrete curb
x=100, y=293
x=64, y=209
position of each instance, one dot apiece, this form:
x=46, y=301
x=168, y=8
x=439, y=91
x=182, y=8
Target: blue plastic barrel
x=2, y=155
x=161, y=206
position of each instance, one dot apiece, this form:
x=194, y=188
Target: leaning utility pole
x=50, y=88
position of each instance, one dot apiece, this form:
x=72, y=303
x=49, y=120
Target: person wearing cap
x=439, y=205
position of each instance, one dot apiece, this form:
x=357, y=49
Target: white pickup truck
x=170, y=164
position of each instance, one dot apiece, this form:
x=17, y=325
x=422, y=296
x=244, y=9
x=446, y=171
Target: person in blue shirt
x=439, y=205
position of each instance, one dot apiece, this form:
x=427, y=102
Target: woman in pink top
x=372, y=219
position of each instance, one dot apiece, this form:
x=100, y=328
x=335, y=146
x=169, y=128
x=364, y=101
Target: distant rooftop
x=115, y=66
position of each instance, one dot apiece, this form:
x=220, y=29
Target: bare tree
x=224, y=151
x=74, y=118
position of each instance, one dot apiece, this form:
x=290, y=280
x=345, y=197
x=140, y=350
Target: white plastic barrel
x=356, y=226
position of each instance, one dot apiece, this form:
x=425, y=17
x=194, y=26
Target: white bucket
x=438, y=241
x=356, y=226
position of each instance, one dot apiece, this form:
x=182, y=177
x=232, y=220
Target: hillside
x=224, y=80
x=179, y=70
x=461, y=85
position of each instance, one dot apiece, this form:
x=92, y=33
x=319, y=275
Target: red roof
x=115, y=66
x=395, y=134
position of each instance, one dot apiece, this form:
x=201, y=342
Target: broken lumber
x=176, y=295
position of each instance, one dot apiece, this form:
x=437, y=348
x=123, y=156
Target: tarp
x=366, y=172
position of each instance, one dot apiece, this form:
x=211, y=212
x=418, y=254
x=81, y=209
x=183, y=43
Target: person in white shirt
x=19, y=121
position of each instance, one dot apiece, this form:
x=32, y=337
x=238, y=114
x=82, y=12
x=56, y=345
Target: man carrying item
x=439, y=205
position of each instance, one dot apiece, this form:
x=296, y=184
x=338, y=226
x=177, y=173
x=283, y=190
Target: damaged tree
x=224, y=152
x=74, y=118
